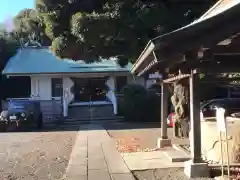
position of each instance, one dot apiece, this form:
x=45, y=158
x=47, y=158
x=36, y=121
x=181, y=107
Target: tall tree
x=29, y=26
x=87, y=29
x=8, y=47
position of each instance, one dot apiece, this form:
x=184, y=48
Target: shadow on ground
x=75, y=126
x=172, y=174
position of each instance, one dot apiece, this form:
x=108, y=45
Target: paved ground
x=139, y=137
x=136, y=137
x=149, y=160
x=164, y=174
x=35, y=155
x=87, y=154
x=94, y=156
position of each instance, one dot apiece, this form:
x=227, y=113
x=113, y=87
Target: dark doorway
x=86, y=89
x=16, y=87
x=121, y=81
x=57, y=87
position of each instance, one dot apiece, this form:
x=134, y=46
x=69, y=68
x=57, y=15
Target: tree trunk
x=180, y=101
x=184, y=129
x=176, y=129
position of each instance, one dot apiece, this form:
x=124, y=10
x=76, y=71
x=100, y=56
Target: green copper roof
x=41, y=61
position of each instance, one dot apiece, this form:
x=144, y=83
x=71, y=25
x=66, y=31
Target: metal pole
x=221, y=149
x=90, y=108
x=228, y=168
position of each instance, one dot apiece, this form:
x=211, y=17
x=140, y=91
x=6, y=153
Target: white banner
x=221, y=120
x=156, y=75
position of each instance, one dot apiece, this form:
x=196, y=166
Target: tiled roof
x=42, y=61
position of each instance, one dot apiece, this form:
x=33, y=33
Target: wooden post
x=164, y=141
x=176, y=131
x=164, y=110
x=195, y=132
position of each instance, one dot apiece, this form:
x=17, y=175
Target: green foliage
x=29, y=26
x=8, y=47
x=153, y=106
x=202, y=76
x=122, y=61
x=138, y=104
x=113, y=28
x=58, y=45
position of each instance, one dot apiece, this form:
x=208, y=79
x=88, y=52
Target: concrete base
x=161, y=143
x=222, y=178
x=194, y=170
x=177, y=156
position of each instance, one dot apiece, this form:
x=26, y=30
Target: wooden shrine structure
x=211, y=44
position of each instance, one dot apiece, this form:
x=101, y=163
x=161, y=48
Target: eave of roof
x=217, y=9
x=41, y=61
x=146, y=52
x=166, y=39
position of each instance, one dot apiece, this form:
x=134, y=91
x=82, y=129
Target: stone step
x=176, y=156
x=88, y=121
x=85, y=112
x=94, y=119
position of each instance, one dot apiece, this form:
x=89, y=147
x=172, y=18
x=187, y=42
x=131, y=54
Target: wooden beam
x=235, y=40
x=220, y=80
x=156, y=66
x=189, y=59
x=147, y=67
x=141, y=67
x=225, y=50
x=225, y=63
x=169, y=57
x=209, y=37
x=176, y=78
x=202, y=34
x=219, y=70
x=230, y=41
x=222, y=58
x=144, y=57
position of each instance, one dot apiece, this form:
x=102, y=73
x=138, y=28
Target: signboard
x=201, y=116
x=221, y=120
x=156, y=75
x=222, y=128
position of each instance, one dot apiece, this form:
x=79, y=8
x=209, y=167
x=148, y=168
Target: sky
x=9, y=8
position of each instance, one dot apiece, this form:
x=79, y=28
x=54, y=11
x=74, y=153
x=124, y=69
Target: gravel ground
x=164, y=174
x=138, y=136
x=35, y=155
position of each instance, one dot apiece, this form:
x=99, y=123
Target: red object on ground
x=170, y=119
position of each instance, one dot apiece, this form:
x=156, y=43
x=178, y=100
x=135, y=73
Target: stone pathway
x=94, y=156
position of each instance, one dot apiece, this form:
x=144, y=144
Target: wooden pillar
x=164, y=141
x=196, y=167
x=195, y=132
x=164, y=110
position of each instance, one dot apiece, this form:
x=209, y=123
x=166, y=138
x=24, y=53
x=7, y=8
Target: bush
x=153, y=103
x=138, y=104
